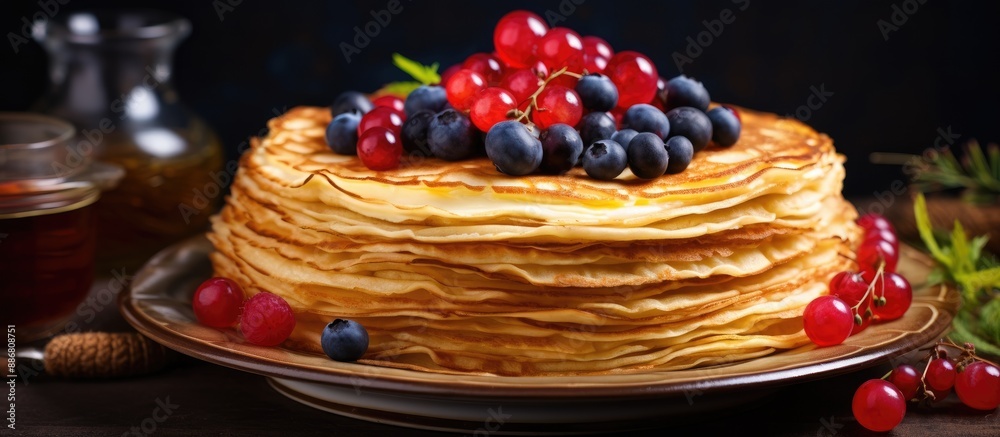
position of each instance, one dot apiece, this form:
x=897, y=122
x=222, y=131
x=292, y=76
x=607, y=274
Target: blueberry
x=597, y=92
x=561, y=148
x=604, y=160
x=685, y=91
x=425, y=98
x=680, y=150
x=646, y=156
x=342, y=133
x=646, y=118
x=624, y=137
x=513, y=150
x=596, y=126
x=344, y=340
x=725, y=126
x=691, y=123
x=451, y=136
x=414, y=132
x=349, y=101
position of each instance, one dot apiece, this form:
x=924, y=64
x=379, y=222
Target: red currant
x=557, y=104
x=515, y=36
x=267, y=320
x=462, y=87
x=873, y=253
x=634, y=75
x=560, y=47
x=896, y=294
x=851, y=287
x=906, y=378
x=937, y=395
x=380, y=149
x=593, y=45
x=382, y=116
x=827, y=321
x=940, y=374
x=978, y=386
x=217, y=302
x=884, y=235
x=594, y=64
x=878, y=405
x=487, y=65
x=449, y=72
x=491, y=106
x=875, y=221
x=389, y=101
x=521, y=83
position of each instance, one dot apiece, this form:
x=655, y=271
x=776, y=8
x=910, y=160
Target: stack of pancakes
x=454, y=267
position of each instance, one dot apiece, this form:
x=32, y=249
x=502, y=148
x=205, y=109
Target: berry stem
x=534, y=97
x=871, y=288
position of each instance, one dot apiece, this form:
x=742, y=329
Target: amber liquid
x=158, y=202
x=46, y=268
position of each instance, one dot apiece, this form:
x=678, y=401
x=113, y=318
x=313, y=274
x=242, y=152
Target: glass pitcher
x=110, y=76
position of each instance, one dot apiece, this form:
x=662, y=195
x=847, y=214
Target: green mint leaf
x=927, y=230
x=424, y=74
x=401, y=89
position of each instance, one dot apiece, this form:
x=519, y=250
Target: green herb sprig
x=977, y=172
x=421, y=74
x=961, y=261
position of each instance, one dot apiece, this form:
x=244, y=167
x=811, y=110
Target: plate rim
x=477, y=387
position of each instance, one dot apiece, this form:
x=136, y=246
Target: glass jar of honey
x=110, y=74
x=48, y=189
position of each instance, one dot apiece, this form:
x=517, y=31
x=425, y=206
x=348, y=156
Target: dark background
x=939, y=69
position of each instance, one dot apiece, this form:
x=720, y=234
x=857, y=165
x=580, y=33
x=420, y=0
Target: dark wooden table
x=206, y=399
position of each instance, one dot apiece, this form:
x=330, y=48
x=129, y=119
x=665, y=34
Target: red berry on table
x=380, y=149
x=491, y=106
x=896, y=294
x=217, y=302
x=907, y=379
x=267, y=320
x=827, y=321
x=557, y=104
x=560, y=47
x=878, y=405
x=940, y=374
x=884, y=235
x=635, y=76
x=515, y=35
x=873, y=253
x=389, y=101
x=978, y=386
x=487, y=65
x=462, y=87
x=875, y=221
x=521, y=83
x=382, y=116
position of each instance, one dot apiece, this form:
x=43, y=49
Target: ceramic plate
x=159, y=306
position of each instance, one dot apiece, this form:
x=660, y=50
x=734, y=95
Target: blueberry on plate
x=646, y=156
x=513, y=150
x=690, y=123
x=597, y=92
x=451, y=136
x=342, y=133
x=414, y=133
x=344, y=340
x=646, y=118
x=624, y=137
x=561, y=148
x=685, y=91
x=725, y=126
x=596, y=126
x=680, y=152
x=425, y=98
x=351, y=101
x=604, y=160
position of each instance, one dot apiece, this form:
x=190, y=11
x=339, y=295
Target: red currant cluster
x=880, y=404
x=265, y=319
x=876, y=293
